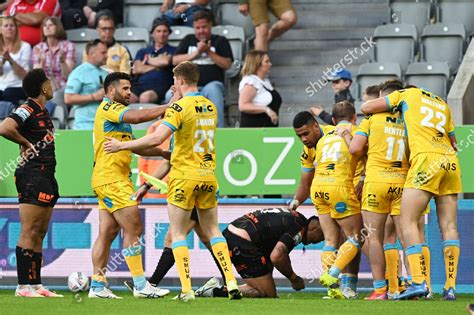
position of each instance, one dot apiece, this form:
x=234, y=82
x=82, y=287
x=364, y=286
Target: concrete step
x=314, y=71
x=320, y=45
x=351, y=17
x=328, y=33
x=350, y=55
x=297, y=2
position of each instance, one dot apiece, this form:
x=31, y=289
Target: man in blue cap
x=341, y=81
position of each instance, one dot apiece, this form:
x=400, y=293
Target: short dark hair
x=33, y=82
x=92, y=43
x=303, y=118
x=203, y=14
x=159, y=21
x=104, y=14
x=114, y=78
x=372, y=91
x=391, y=86
x=343, y=110
x=187, y=70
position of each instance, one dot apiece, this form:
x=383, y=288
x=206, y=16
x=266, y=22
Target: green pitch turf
x=288, y=303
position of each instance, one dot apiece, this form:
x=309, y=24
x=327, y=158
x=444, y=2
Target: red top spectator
x=30, y=14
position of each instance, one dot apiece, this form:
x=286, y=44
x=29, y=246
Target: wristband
x=294, y=204
x=362, y=178
x=147, y=185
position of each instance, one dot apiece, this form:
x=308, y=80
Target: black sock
x=23, y=264
x=37, y=259
x=218, y=267
x=164, y=265
x=220, y=292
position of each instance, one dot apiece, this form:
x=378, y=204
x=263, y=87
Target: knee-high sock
x=165, y=263
x=218, y=264
x=328, y=257
x=451, y=249
x=391, y=266
x=23, y=264
x=425, y=250
x=221, y=252
x=345, y=255
x=133, y=258
x=181, y=257
x=415, y=261
x=36, y=261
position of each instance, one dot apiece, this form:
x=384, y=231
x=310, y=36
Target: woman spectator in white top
x=55, y=55
x=259, y=102
x=15, y=62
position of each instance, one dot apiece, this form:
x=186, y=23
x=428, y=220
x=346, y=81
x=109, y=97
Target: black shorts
x=37, y=190
x=247, y=258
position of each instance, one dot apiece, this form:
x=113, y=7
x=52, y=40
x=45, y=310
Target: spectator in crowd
x=115, y=6
x=55, y=55
x=84, y=87
x=30, y=14
x=213, y=55
x=259, y=102
x=153, y=66
x=15, y=63
x=73, y=13
x=182, y=12
x=118, y=56
x=283, y=11
x=341, y=81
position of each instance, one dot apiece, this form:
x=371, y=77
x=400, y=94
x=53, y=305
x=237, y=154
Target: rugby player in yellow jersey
x=434, y=171
x=333, y=193
x=192, y=179
x=111, y=182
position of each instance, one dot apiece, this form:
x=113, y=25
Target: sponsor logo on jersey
x=203, y=108
x=176, y=107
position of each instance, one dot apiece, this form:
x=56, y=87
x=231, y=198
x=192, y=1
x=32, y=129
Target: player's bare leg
x=210, y=226
x=332, y=232
x=263, y=287
x=414, y=202
x=108, y=230
x=377, y=259
x=446, y=208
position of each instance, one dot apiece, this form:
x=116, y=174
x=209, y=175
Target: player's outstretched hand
x=297, y=283
x=112, y=145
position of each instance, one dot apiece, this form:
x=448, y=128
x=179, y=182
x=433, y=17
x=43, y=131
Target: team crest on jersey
x=176, y=107
x=421, y=178
x=179, y=195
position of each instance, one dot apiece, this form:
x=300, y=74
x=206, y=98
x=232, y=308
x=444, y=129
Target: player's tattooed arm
x=152, y=140
x=281, y=260
x=375, y=106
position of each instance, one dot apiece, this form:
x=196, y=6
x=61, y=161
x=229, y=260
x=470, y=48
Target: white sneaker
x=105, y=293
x=27, y=291
x=349, y=293
x=185, y=297
x=392, y=296
x=150, y=292
x=44, y=291
x=207, y=290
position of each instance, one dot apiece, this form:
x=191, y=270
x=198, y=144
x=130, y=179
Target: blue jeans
x=214, y=91
x=185, y=18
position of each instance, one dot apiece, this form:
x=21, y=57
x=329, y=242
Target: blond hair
x=253, y=61
x=188, y=71
x=17, y=41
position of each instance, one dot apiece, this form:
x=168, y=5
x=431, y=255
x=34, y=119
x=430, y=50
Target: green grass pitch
x=288, y=303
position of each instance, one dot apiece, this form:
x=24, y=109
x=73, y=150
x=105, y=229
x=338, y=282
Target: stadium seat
x=457, y=11
x=178, y=33
x=144, y=125
x=395, y=43
x=134, y=38
x=227, y=13
x=376, y=73
x=441, y=42
x=56, y=123
x=79, y=37
x=141, y=13
x=236, y=37
x=409, y=12
x=60, y=113
x=431, y=76
x=70, y=118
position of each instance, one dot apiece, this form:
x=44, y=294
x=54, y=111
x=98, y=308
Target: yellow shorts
x=339, y=201
x=187, y=193
x=258, y=9
x=115, y=196
x=436, y=173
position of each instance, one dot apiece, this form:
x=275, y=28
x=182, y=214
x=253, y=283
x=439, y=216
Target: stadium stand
x=145, y=125
x=456, y=11
x=79, y=37
x=134, y=38
x=178, y=33
x=60, y=115
x=227, y=13
x=450, y=37
x=416, y=13
x=141, y=13
x=375, y=73
x=70, y=118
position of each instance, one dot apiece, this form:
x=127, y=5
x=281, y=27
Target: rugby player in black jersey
x=258, y=242
x=30, y=126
